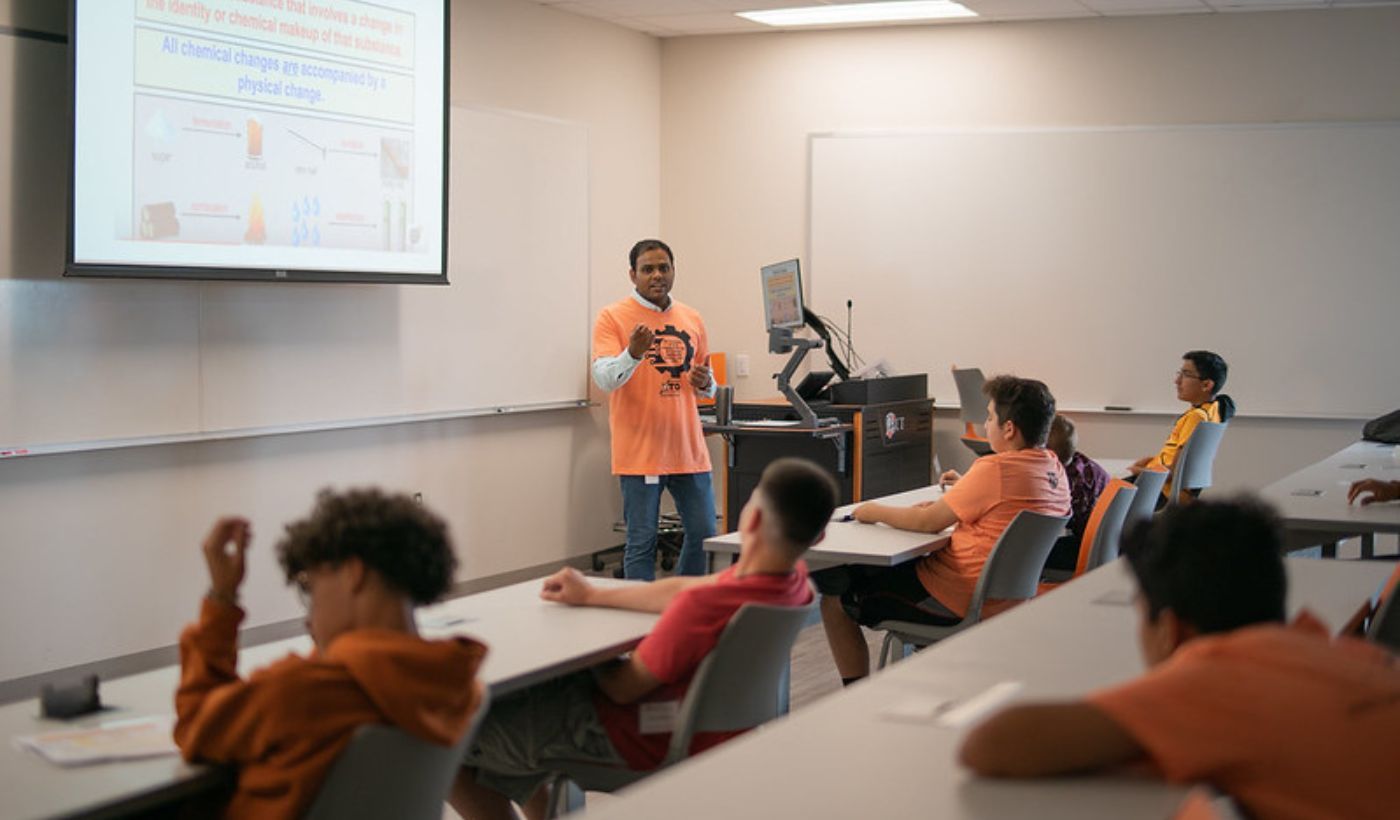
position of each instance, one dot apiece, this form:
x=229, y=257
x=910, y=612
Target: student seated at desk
x=620, y=714
x=361, y=560
x=1284, y=719
x=1020, y=474
x=1087, y=481
x=1198, y=382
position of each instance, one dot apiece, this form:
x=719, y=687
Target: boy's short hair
x=1209, y=366
x=1027, y=403
x=1063, y=441
x=395, y=536
x=648, y=245
x=800, y=497
x=1216, y=564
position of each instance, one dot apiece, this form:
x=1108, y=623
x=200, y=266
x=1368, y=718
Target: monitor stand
x=781, y=340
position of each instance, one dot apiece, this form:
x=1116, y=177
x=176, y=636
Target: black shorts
x=871, y=595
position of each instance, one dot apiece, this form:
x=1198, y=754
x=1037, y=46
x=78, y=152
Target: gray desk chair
x=741, y=684
x=1012, y=572
x=386, y=772
x=1192, y=471
x=1385, y=623
x=1102, y=533
x=974, y=408
x=1149, y=485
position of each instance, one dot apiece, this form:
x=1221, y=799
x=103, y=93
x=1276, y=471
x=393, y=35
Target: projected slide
x=272, y=135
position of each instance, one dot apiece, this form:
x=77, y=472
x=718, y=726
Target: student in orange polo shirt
x=1020, y=474
x=1287, y=721
x=651, y=355
x=362, y=559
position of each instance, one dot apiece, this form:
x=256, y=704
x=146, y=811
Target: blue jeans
x=694, y=494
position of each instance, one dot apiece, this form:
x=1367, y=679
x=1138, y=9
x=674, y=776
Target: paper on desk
x=951, y=712
x=129, y=739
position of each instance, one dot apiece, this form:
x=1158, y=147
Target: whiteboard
x=97, y=362
x=1093, y=259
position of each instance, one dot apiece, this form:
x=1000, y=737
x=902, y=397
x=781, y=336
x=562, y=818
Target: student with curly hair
x=362, y=560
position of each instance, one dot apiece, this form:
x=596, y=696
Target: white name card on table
x=128, y=739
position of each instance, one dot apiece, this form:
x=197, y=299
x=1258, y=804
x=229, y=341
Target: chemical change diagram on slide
x=274, y=123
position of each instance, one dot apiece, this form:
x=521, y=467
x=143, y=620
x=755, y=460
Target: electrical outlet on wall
x=741, y=365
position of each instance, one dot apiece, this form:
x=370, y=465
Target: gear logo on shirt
x=671, y=351
x=1054, y=479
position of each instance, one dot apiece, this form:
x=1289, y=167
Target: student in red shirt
x=1285, y=720
x=619, y=714
x=361, y=560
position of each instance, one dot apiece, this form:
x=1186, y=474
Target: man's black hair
x=393, y=535
x=1027, y=403
x=648, y=245
x=801, y=496
x=1216, y=564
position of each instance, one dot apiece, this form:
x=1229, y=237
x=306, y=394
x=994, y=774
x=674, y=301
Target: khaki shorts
x=530, y=735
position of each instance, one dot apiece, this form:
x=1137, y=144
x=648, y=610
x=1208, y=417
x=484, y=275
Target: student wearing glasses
x=362, y=560
x=1198, y=383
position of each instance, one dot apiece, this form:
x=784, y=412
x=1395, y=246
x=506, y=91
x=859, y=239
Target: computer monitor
x=782, y=294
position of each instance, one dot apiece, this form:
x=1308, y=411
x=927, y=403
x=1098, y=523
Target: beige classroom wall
x=99, y=549
x=737, y=112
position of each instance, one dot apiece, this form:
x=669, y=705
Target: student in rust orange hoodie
x=361, y=560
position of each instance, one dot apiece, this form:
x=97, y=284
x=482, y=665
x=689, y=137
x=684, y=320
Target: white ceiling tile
x=1026, y=9
x=1115, y=7
x=710, y=22
x=1264, y=5
x=758, y=5
x=665, y=18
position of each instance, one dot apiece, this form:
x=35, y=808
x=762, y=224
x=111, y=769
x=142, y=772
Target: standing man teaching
x=651, y=355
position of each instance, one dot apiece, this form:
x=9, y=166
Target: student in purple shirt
x=1086, y=481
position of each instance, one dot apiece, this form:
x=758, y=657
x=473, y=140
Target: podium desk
x=871, y=450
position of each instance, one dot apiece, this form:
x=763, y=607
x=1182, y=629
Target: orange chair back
x=1091, y=529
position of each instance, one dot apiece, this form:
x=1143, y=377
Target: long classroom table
x=849, y=755
x=1313, y=500
x=530, y=640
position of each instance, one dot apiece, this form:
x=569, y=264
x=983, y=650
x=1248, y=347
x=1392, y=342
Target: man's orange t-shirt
x=985, y=501
x=1289, y=723
x=654, y=419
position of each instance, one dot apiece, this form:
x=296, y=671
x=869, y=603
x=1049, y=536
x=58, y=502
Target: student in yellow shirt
x=1198, y=382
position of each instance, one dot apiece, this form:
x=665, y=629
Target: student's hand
x=949, y=478
x=567, y=586
x=223, y=549
x=640, y=341
x=1379, y=491
x=700, y=376
x=866, y=514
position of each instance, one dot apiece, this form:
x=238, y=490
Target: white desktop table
x=844, y=756
x=529, y=639
x=1116, y=467
x=1314, y=499
x=851, y=542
